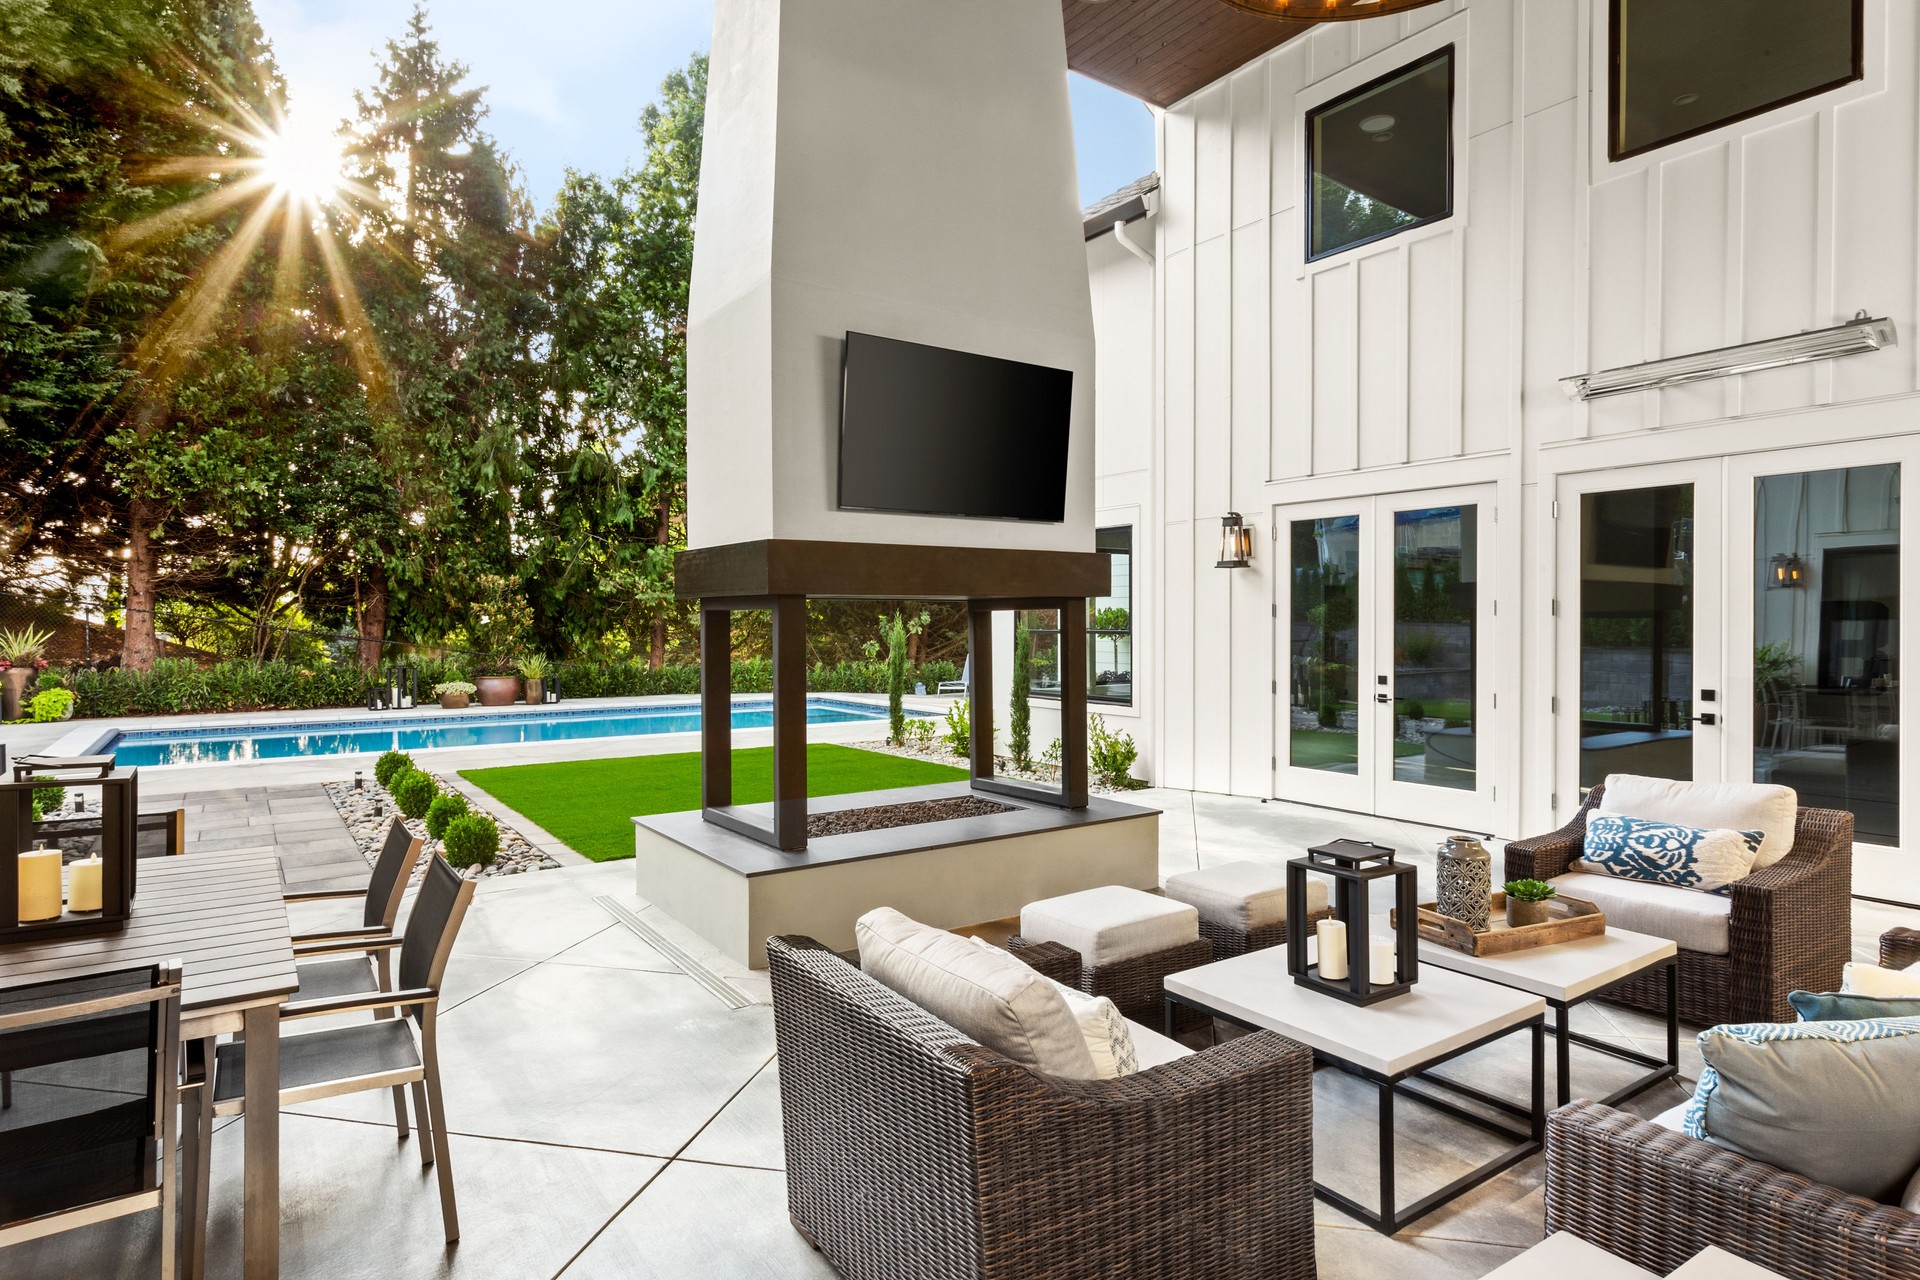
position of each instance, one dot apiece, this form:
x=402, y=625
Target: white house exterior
x=1360, y=407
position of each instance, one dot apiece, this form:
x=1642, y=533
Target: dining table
x=222, y=915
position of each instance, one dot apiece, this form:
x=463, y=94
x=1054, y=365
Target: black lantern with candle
x=1354, y=865
x=33, y=901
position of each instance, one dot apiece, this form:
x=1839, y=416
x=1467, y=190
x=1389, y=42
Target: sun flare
x=302, y=161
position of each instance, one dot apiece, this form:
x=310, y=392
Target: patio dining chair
x=392, y=1052
x=91, y=1131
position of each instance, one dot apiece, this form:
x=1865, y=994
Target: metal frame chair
x=107, y=1014
x=391, y=1052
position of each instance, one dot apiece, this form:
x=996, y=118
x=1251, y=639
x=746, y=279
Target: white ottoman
x=1129, y=940
x=1243, y=905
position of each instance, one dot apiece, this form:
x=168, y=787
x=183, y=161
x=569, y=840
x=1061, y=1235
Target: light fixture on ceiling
x=1856, y=337
x=1379, y=122
x=1686, y=99
x=1384, y=137
x=1236, y=542
x=1326, y=10
x=1789, y=570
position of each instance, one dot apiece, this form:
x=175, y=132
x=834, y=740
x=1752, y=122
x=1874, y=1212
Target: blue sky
x=566, y=78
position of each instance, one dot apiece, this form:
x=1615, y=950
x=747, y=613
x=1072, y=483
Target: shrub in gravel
x=472, y=839
x=413, y=793
x=390, y=766
x=446, y=806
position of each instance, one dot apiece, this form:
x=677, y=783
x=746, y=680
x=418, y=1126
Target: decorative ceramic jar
x=1465, y=879
x=498, y=691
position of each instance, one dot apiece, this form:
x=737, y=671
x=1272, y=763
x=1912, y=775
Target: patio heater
x=1352, y=964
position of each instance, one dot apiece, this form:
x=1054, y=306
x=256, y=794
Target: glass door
x=1386, y=633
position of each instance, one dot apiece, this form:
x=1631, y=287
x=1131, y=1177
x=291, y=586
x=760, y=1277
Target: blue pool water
x=425, y=729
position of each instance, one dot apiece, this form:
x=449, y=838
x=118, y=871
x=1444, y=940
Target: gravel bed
x=938, y=753
x=881, y=817
x=368, y=812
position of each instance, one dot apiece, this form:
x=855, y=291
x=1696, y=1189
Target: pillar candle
x=83, y=885
x=40, y=884
x=1333, y=949
x=1381, y=950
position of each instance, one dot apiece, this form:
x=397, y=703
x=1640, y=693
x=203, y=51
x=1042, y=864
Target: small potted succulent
x=534, y=669
x=454, y=695
x=21, y=662
x=496, y=684
x=1528, y=902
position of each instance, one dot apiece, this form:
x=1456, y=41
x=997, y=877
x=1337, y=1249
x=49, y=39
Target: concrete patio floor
x=613, y=1117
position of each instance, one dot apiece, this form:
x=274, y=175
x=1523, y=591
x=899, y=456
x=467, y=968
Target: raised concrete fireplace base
x=736, y=892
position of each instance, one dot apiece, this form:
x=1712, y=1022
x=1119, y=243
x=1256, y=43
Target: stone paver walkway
x=316, y=850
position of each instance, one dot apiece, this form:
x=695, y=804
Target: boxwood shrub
x=472, y=840
x=446, y=806
x=390, y=766
x=413, y=793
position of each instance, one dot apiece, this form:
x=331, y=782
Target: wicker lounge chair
x=1787, y=930
x=911, y=1150
x=1656, y=1197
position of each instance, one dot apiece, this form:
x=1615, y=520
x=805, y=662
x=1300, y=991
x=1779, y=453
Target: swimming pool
x=424, y=731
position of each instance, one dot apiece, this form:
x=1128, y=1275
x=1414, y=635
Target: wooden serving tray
x=1571, y=918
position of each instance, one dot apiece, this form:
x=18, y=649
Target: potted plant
x=534, y=670
x=454, y=695
x=20, y=663
x=496, y=684
x=1528, y=902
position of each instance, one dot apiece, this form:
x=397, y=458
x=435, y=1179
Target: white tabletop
x=1564, y=971
x=1444, y=1011
x=1715, y=1263
x=1567, y=1257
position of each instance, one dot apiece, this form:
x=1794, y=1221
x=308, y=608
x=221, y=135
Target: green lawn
x=589, y=804
x=1318, y=748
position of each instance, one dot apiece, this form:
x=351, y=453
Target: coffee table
x=1566, y=974
x=1390, y=1044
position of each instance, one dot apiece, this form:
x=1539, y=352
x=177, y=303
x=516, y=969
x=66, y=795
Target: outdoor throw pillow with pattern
x=1667, y=852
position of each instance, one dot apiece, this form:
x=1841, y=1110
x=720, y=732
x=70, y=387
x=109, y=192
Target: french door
x=1385, y=638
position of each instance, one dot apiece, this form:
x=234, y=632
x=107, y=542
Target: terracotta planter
x=498, y=691
x=1524, y=913
x=14, y=682
x=455, y=701
x=536, y=691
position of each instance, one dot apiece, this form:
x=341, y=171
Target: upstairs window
x=1682, y=67
x=1380, y=158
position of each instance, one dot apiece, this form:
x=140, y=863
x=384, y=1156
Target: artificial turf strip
x=590, y=804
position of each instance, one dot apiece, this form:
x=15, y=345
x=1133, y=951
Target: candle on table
x=83, y=885
x=40, y=884
x=1382, y=967
x=1333, y=949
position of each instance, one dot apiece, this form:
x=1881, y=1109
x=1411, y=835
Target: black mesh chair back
x=93, y=1086
x=437, y=910
x=389, y=879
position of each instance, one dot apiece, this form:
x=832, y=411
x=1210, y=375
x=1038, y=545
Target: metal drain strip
x=728, y=994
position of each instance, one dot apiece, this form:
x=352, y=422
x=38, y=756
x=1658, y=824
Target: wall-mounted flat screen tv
x=930, y=431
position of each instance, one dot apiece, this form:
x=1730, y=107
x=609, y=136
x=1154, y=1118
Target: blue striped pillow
x=1668, y=853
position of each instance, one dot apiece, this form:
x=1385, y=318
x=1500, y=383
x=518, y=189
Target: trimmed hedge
x=446, y=806
x=391, y=765
x=176, y=686
x=472, y=839
x=413, y=793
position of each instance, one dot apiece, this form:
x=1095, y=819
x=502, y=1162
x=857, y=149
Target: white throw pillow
x=1109, y=1042
x=1872, y=980
x=1738, y=806
x=983, y=993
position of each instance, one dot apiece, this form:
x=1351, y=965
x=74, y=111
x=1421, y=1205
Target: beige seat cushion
x=981, y=992
x=1111, y=923
x=1151, y=1049
x=1737, y=806
x=1243, y=895
x=1872, y=980
x=1693, y=920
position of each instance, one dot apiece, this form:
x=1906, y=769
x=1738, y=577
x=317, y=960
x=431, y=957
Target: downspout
x=1120, y=233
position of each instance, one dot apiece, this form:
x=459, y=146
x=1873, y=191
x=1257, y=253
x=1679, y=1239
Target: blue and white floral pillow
x=1668, y=853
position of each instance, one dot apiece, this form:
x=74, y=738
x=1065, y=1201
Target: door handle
x=1707, y=718
x=1383, y=697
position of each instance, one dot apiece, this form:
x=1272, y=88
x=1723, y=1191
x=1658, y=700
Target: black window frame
x=1444, y=53
x=1614, y=151
x=1094, y=636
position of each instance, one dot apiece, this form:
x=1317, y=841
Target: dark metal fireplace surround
x=781, y=574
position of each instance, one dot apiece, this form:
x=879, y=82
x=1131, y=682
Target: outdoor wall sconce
x=1326, y=10
x=1789, y=570
x=1236, y=542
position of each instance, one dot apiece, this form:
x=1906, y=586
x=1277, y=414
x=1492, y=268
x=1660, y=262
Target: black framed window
x=1380, y=158
x=1680, y=69
x=1109, y=632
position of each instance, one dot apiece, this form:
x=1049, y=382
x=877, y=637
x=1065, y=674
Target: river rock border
x=368, y=811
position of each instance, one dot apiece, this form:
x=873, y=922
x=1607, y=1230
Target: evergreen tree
x=1020, y=710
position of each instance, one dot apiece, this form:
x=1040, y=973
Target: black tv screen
x=930, y=431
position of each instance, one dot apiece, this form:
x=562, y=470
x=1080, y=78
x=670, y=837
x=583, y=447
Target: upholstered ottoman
x=1129, y=940
x=1243, y=905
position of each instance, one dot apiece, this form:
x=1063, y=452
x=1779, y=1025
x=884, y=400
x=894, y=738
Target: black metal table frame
x=1390, y=1218
x=1565, y=1037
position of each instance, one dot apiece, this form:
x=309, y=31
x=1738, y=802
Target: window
x=1109, y=632
x=1380, y=159
x=1679, y=69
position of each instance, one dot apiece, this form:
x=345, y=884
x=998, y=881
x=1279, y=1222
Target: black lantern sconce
x=1352, y=965
x=1236, y=542
x=552, y=687
x=1789, y=570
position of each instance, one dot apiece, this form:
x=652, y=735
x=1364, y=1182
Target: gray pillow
x=1844, y=1006
x=1830, y=1101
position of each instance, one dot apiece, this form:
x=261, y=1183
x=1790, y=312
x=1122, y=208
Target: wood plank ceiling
x=1163, y=50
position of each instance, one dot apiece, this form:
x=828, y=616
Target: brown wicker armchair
x=913, y=1151
x=1788, y=930
x=1656, y=1197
